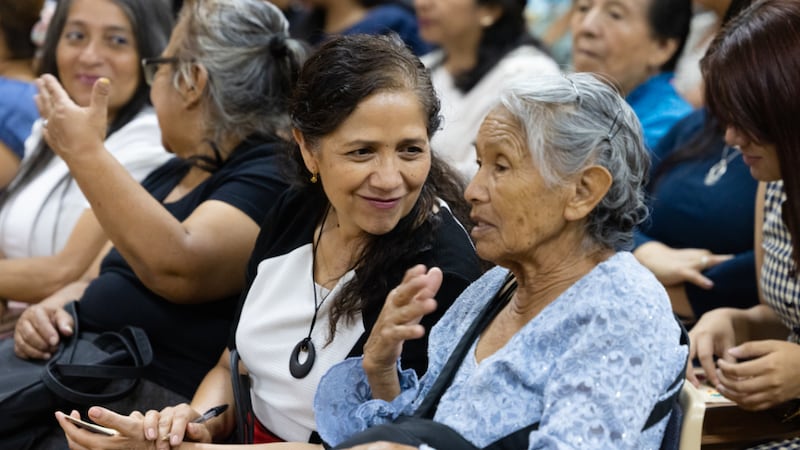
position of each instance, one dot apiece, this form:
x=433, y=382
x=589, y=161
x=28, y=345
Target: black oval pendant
x=301, y=369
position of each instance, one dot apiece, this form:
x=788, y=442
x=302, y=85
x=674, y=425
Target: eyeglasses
x=150, y=66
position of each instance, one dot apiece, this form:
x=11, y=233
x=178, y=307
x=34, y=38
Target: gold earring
x=313, y=178
x=487, y=21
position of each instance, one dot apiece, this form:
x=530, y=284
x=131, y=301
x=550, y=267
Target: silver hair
x=573, y=121
x=251, y=62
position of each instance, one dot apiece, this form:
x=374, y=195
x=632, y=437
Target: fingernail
x=173, y=441
x=53, y=340
x=47, y=356
x=151, y=433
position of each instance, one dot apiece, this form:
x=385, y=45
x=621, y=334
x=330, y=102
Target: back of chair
x=694, y=409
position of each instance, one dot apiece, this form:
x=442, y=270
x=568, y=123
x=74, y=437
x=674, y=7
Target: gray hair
x=252, y=64
x=573, y=121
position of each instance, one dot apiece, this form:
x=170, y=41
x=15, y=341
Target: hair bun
x=278, y=46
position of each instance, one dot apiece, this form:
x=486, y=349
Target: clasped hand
x=760, y=374
x=155, y=430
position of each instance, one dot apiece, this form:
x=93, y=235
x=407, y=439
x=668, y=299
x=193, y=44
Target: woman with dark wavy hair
x=370, y=201
x=751, y=73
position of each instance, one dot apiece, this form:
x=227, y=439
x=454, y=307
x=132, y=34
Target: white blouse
x=38, y=219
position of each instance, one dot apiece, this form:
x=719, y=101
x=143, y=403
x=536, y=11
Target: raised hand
x=399, y=321
x=69, y=129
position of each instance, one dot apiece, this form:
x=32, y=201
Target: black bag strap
x=662, y=408
x=241, y=396
x=130, y=344
x=519, y=438
x=428, y=407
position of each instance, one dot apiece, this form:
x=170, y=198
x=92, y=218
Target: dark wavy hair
x=750, y=72
x=151, y=22
x=17, y=18
x=333, y=82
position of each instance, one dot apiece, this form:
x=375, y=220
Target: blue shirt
x=687, y=213
x=384, y=19
x=658, y=106
x=17, y=113
x=589, y=367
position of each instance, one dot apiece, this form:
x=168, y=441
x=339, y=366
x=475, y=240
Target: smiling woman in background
x=48, y=236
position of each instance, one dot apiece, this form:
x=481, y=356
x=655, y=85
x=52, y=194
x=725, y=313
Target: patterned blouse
x=589, y=367
x=779, y=285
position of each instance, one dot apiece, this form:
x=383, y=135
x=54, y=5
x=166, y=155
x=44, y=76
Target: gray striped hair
x=573, y=121
x=251, y=62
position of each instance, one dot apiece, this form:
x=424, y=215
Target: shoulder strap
x=662, y=408
x=241, y=394
x=428, y=407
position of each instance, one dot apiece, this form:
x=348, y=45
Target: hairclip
x=611, y=132
x=575, y=88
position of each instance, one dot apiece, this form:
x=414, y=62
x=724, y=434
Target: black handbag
x=87, y=369
x=420, y=428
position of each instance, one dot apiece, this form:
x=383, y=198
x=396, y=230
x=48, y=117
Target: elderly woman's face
x=614, y=38
x=516, y=215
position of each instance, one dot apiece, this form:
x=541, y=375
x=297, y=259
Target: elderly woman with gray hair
x=183, y=237
x=569, y=342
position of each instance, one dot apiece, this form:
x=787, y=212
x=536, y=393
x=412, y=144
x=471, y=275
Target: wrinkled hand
x=673, y=266
x=69, y=129
x=768, y=375
x=39, y=329
x=399, y=319
x=711, y=336
x=130, y=435
x=174, y=424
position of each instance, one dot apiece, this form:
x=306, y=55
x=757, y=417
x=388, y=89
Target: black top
x=187, y=339
x=292, y=222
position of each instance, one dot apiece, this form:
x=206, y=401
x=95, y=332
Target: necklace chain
x=729, y=153
x=314, y=247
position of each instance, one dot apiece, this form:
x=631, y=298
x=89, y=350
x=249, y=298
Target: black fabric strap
x=428, y=407
x=662, y=408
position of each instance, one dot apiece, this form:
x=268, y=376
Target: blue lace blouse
x=590, y=367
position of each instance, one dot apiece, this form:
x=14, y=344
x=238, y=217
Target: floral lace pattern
x=590, y=367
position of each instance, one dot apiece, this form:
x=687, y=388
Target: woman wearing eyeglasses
x=181, y=239
x=48, y=236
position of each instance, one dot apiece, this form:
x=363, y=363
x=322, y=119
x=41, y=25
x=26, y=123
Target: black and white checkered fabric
x=780, y=287
x=789, y=444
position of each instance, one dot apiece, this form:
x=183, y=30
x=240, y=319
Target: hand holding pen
x=205, y=417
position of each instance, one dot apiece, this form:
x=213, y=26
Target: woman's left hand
x=768, y=374
x=398, y=322
x=130, y=428
x=69, y=129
